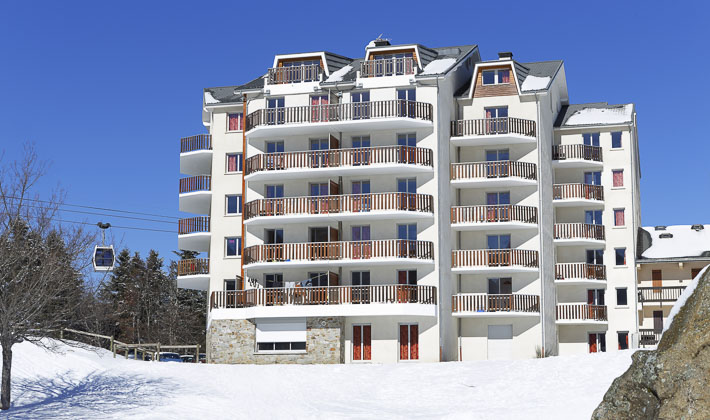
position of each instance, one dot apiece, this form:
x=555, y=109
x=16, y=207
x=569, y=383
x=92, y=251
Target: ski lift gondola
x=104, y=257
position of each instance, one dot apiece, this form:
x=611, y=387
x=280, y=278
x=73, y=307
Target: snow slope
x=82, y=384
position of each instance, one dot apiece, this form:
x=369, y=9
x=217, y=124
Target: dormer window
x=388, y=63
x=496, y=77
x=296, y=71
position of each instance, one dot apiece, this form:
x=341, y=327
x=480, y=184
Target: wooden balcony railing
x=198, y=142
x=193, y=267
x=335, y=158
x=493, y=214
x=345, y=250
x=579, y=231
x=194, y=225
x=660, y=294
x=497, y=169
x=580, y=312
x=491, y=126
x=388, y=67
x=582, y=191
x=482, y=302
x=334, y=204
x=576, y=151
x=576, y=271
x=649, y=337
x=329, y=295
x=295, y=74
x=494, y=258
x=395, y=108
x=195, y=183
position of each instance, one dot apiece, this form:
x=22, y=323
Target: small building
x=669, y=257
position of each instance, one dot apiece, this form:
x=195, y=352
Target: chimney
x=505, y=55
x=381, y=42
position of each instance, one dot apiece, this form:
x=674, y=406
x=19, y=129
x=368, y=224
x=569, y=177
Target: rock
x=670, y=382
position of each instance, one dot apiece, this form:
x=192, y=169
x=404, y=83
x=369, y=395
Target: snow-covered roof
x=599, y=113
x=438, y=66
x=673, y=242
x=337, y=76
x=535, y=83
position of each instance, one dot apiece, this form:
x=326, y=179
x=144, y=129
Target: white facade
x=383, y=181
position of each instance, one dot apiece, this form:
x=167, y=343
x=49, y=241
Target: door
x=274, y=238
x=230, y=293
x=319, y=153
x=500, y=342
x=498, y=250
x=275, y=111
x=595, y=256
x=362, y=346
x=597, y=342
x=657, y=278
x=361, y=105
x=406, y=103
x=500, y=294
x=498, y=207
x=361, y=157
x=361, y=286
x=595, y=299
x=407, y=189
x=407, y=148
x=593, y=178
x=362, y=200
x=318, y=249
x=591, y=139
x=274, y=283
x=319, y=197
x=406, y=286
x=317, y=288
x=361, y=245
x=274, y=206
x=496, y=120
x=498, y=163
x=407, y=234
x=274, y=155
x=319, y=108
x=657, y=321
x=408, y=342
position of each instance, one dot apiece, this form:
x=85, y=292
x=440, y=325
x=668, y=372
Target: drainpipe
x=244, y=190
x=539, y=195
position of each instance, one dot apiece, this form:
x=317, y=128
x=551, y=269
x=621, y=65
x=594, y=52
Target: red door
x=362, y=349
x=409, y=342
x=592, y=343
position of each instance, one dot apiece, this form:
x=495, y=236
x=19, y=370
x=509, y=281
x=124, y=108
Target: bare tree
x=41, y=262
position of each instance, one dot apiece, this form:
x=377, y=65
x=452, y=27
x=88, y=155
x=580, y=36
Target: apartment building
x=414, y=204
x=669, y=258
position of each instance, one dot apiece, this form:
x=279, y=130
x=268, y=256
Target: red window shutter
x=404, y=342
x=357, y=342
x=619, y=218
x=235, y=121
x=231, y=163
x=366, y=342
x=592, y=343
x=414, y=341
x=618, y=178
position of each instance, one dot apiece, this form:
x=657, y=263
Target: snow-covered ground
x=81, y=384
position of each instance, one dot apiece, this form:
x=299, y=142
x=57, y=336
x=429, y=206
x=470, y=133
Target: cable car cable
x=95, y=208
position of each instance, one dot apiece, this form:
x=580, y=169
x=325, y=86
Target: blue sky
x=106, y=89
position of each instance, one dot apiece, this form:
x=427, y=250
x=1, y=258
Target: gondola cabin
x=104, y=258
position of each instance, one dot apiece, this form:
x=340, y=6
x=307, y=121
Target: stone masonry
x=233, y=341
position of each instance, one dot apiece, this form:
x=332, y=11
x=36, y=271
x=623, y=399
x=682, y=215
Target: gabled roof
x=674, y=243
x=231, y=94
x=598, y=113
x=540, y=73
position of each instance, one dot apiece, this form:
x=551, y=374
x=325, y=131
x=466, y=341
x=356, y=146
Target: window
x=694, y=272
x=593, y=217
x=275, y=146
x=407, y=139
x=406, y=105
x=234, y=246
x=591, y=139
x=407, y=232
x=620, y=254
x=623, y=337
x=360, y=233
x=362, y=342
x=274, y=191
x=497, y=112
x=407, y=277
x=280, y=335
x=595, y=297
x=618, y=175
x=273, y=236
x=274, y=280
x=496, y=77
x=407, y=185
x=616, y=140
x=287, y=346
x=621, y=299
x=497, y=155
x=234, y=204
x=595, y=256
x=409, y=342
x=234, y=162
x=230, y=285
x=593, y=178
x=619, y=217
x=597, y=342
x=275, y=113
x=235, y=121
x=361, y=110
x=317, y=280
x=319, y=108
x=498, y=241
x=500, y=286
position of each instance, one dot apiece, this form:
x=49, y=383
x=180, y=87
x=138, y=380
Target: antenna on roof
x=379, y=42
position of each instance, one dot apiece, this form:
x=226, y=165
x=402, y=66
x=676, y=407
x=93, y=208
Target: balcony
x=364, y=253
x=649, y=337
x=579, y=234
x=580, y=274
x=323, y=119
x=388, y=67
x=660, y=294
x=396, y=160
x=195, y=194
x=504, y=217
x=196, y=155
x=374, y=300
x=377, y=206
x=575, y=195
x=294, y=74
x=194, y=234
x=493, y=131
x=576, y=156
x=503, y=173
x=581, y=314
x=193, y=274
x=470, y=305
x=490, y=261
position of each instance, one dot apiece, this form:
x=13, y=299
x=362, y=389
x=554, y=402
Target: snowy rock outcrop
x=671, y=381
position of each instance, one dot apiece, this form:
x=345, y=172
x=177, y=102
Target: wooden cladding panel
x=485, y=91
x=281, y=61
x=374, y=55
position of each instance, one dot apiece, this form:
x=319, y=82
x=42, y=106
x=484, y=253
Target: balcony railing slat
x=388, y=67
x=579, y=231
x=496, y=169
x=492, y=126
x=565, y=271
x=494, y=258
x=295, y=74
x=195, y=266
x=582, y=191
x=194, y=225
x=195, y=183
x=328, y=295
x=581, y=312
x=493, y=214
x=660, y=294
x=198, y=142
x=482, y=302
x=577, y=151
